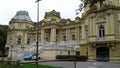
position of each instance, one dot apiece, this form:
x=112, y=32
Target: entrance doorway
x=102, y=54
x=77, y=52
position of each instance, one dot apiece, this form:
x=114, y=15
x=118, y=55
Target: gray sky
x=8, y=8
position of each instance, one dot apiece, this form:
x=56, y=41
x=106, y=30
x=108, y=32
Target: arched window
x=101, y=31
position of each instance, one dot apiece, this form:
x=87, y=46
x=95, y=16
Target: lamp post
x=10, y=48
x=37, y=33
x=11, y=51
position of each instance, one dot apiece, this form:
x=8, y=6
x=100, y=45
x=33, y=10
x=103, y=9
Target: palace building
x=96, y=34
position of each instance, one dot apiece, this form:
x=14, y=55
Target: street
x=68, y=64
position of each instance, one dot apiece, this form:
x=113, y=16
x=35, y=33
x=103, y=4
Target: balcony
x=101, y=39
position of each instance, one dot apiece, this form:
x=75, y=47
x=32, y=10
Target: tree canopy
x=3, y=38
x=90, y=2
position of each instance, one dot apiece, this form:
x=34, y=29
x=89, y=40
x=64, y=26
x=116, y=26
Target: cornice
x=103, y=9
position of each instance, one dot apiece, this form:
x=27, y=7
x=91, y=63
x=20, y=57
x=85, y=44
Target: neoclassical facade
x=96, y=34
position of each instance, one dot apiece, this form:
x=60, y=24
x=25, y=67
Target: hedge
x=72, y=57
x=3, y=55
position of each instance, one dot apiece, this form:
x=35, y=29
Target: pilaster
x=112, y=24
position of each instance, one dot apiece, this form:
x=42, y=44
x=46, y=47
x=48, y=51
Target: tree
x=3, y=38
x=90, y=2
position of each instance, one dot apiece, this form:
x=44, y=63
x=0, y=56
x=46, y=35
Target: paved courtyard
x=67, y=64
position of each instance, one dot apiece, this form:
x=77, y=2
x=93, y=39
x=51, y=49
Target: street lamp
x=11, y=51
x=37, y=33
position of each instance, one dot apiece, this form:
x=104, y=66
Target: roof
x=22, y=15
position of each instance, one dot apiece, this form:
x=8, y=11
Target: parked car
x=34, y=57
x=29, y=57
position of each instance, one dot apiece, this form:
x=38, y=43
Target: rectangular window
x=19, y=24
x=19, y=41
x=73, y=37
x=68, y=52
x=28, y=41
x=64, y=38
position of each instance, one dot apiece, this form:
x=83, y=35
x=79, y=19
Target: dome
x=22, y=15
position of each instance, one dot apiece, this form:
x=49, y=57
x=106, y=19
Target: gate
x=102, y=54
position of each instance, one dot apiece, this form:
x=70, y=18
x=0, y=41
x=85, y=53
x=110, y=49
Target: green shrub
x=3, y=55
x=72, y=57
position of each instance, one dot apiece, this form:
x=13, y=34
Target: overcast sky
x=8, y=8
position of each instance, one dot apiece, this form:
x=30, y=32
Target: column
x=77, y=35
x=94, y=27
x=83, y=31
x=90, y=27
x=42, y=36
x=53, y=36
x=14, y=38
x=60, y=37
x=25, y=40
x=67, y=34
x=107, y=30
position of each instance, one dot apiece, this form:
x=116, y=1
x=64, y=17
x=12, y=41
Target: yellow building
x=56, y=36
x=102, y=30
x=96, y=34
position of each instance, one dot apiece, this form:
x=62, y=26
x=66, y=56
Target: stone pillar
x=112, y=24
x=83, y=50
x=68, y=34
x=107, y=29
x=60, y=35
x=83, y=31
x=91, y=53
x=25, y=40
x=14, y=39
x=42, y=36
x=77, y=35
x=53, y=36
x=90, y=27
x=94, y=27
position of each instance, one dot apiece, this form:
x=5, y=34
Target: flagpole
x=37, y=33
